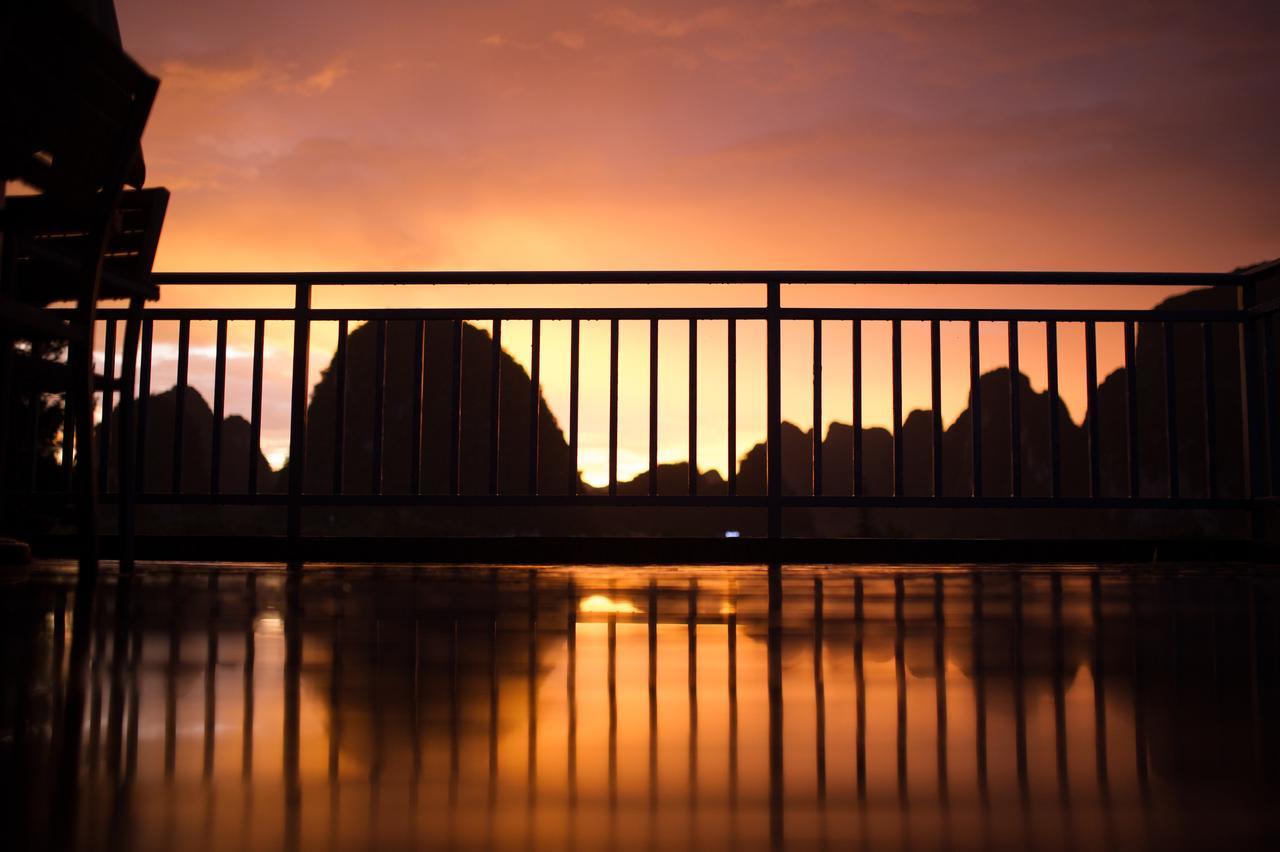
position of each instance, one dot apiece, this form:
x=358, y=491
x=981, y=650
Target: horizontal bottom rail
x=669, y=551
x=675, y=501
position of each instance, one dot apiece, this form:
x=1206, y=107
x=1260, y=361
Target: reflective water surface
x=555, y=708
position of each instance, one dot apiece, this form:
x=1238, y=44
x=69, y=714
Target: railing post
x=774, y=379
x=298, y=415
x=126, y=485
x=1251, y=406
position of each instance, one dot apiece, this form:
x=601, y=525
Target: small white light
x=732, y=534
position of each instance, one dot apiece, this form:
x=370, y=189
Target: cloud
x=248, y=76
x=667, y=26
x=323, y=79
x=185, y=75
x=930, y=7
x=571, y=40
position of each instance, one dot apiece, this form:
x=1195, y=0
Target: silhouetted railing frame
x=1257, y=369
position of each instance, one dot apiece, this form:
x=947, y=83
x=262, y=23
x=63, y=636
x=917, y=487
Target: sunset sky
x=396, y=135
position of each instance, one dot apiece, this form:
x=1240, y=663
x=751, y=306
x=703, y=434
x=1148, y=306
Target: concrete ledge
x=670, y=551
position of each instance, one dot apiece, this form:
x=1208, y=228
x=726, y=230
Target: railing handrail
x=712, y=276
x=869, y=314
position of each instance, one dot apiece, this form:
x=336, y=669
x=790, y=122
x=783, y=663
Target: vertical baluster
x=1091, y=391
x=816, y=453
x=417, y=401
x=495, y=406
x=1251, y=420
x=298, y=431
x=340, y=408
x=613, y=407
x=455, y=414
x=733, y=408
x=857, y=408
x=1272, y=395
x=69, y=441
x=219, y=407
x=255, y=405
x=535, y=409
x=35, y=407
x=9, y=390
x=379, y=394
x=935, y=397
x=693, y=407
x=1055, y=438
x=1015, y=413
x=575, y=346
x=1210, y=415
x=896, y=367
x=1131, y=407
x=108, y=403
x=975, y=405
x=1171, y=407
x=773, y=390
x=127, y=483
x=653, y=407
x=144, y=400
x=180, y=401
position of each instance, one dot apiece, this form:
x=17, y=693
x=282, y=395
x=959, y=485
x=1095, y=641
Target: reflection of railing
x=997, y=642
x=1251, y=382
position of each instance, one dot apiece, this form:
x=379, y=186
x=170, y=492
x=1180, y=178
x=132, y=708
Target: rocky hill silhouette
x=197, y=449
x=554, y=463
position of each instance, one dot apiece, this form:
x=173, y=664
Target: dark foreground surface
x=361, y=708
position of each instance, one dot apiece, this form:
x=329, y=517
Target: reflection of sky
x=915, y=722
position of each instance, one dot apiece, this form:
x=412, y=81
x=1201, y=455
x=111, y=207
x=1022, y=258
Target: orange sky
x=791, y=134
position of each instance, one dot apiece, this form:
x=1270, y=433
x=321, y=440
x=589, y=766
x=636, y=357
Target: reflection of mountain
x=555, y=464
x=422, y=661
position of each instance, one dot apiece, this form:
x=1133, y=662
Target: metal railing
x=1252, y=327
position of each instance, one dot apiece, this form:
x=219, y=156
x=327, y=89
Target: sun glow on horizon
x=603, y=604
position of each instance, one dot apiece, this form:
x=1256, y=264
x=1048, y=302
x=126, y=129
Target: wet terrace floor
x=224, y=707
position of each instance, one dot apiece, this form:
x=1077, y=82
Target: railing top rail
x=971, y=277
